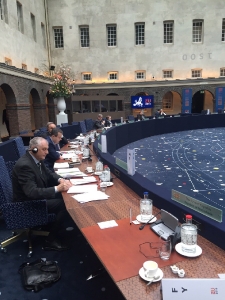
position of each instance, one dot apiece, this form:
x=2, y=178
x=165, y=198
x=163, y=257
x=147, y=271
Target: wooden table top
x=122, y=198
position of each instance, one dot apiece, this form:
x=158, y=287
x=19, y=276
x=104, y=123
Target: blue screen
x=142, y=101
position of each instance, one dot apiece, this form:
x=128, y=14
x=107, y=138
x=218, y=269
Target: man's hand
x=64, y=185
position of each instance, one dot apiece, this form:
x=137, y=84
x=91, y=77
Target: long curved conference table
x=118, y=248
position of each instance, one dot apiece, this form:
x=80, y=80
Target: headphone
x=34, y=150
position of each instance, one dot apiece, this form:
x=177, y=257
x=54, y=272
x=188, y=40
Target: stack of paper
x=77, y=189
x=94, y=196
x=87, y=179
x=71, y=172
x=107, y=224
x=61, y=165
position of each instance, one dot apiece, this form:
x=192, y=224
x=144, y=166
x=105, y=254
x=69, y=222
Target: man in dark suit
x=99, y=123
x=50, y=126
x=31, y=180
x=53, y=139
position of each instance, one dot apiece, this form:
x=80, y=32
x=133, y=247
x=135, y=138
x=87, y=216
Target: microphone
x=143, y=225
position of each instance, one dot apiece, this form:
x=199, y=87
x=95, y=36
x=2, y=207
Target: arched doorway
x=202, y=100
x=8, y=117
x=171, y=103
x=34, y=100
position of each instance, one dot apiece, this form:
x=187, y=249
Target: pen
x=130, y=215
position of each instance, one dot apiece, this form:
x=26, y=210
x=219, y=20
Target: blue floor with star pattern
x=191, y=162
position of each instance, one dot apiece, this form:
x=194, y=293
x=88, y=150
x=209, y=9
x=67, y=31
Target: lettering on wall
x=197, y=56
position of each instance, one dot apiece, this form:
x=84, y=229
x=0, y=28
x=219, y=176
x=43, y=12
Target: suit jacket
x=52, y=155
x=29, y=183
x=98, y=124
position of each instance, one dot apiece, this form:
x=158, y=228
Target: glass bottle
x=188, y=236
x=106, y=172
x=146, y=208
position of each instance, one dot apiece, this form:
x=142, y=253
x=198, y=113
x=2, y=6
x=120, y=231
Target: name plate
x=193, y=288
x=199, y=206
x=104, y=143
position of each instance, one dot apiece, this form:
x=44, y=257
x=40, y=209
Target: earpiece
x=34, y=150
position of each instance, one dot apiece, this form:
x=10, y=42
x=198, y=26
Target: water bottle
x=146, y=208
x=188, y=236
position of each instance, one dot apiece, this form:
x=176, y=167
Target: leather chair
x=21, y=217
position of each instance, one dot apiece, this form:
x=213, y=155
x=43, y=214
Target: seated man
x=99, y=123
x=53, y=139
x=141, y=116
x=108, y=122
x=31, y=180
x=50, y=126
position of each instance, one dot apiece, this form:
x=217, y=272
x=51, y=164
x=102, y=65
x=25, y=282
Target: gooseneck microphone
x=143, y=225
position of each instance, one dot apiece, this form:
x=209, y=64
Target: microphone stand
x=143, y=226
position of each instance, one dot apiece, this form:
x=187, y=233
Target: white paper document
x=69, y=155
x=77, y=189
x=69, y=170
x=107, y=224
x=93, y=196
x=61, y=165
x=87, y=179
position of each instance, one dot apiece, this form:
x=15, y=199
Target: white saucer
x=89, y=172
x=142, y=275
x=98, y=173
x=139, y=219
x=197, y=253
x=109, y=183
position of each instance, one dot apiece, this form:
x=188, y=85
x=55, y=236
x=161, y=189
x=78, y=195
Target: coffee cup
x=89, y=169
x=150, y=268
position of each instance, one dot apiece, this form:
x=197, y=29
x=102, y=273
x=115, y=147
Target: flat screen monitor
x=140, y=102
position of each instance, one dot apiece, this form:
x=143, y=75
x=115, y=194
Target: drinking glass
x=165, y=248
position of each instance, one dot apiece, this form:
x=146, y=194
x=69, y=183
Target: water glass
x=165, y=248
x=103, y=186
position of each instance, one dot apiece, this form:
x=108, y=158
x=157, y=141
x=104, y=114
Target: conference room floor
x=110, y=245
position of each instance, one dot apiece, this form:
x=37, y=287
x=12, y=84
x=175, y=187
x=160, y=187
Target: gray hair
x=36, y=141
x=49, y=123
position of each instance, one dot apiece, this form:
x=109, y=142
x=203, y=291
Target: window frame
x=167, y=72
x=111, y=74
x=84, y=39
x=33, y=25
x=223, y=30
x=140, y=72
x=197, y=35
x=222, y=72
x=196, y=70
x=166, y=32
x=139, y=34
x=87, y=74
x=24, y=67
x=20, y=24
x=111, y=37
x=43, y=34
x=58, y=39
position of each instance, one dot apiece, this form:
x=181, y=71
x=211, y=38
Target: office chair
x=131, y=118
x=83, y=128
x=19, y=146
x=21, y=217
x=89, y=124
x=64, y=124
